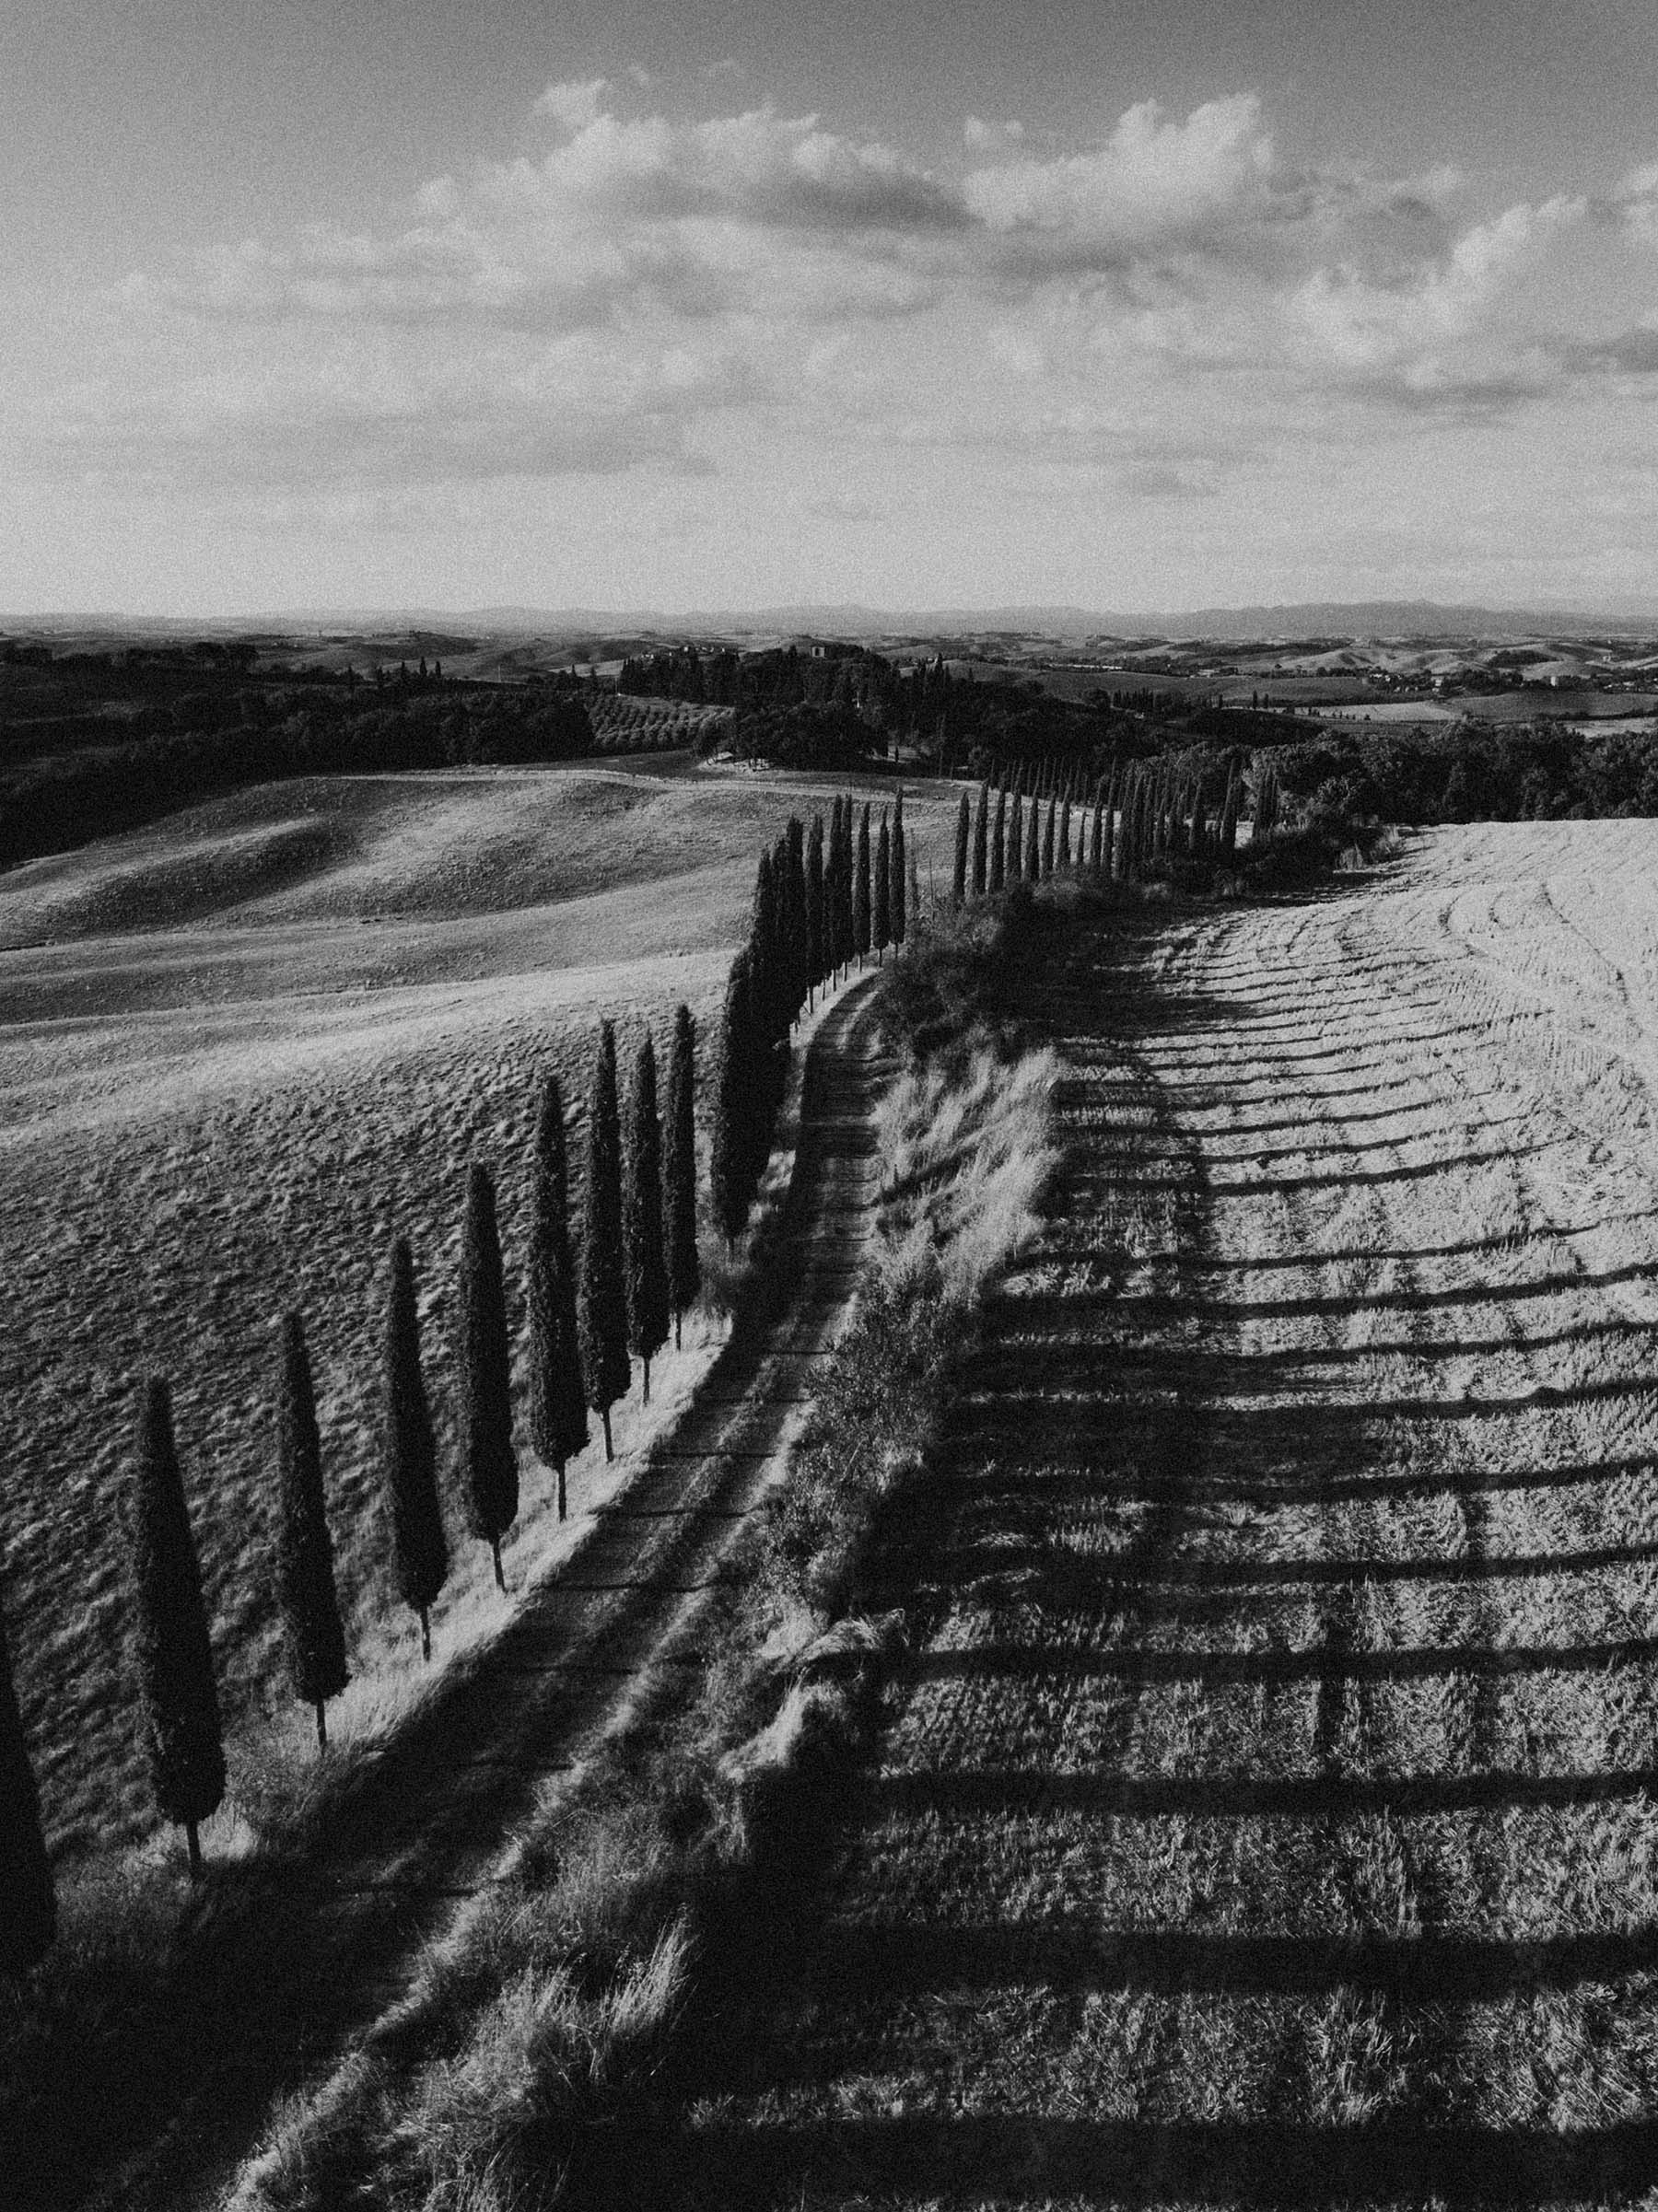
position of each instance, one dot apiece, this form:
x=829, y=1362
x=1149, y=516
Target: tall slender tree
x=881, y=909
x=799, y=934
x=998, y=841
x=963, y=832
x=174, y=1657
x=601, y=1297
x=1047, y=838
x=815, y=966
x=897, y=899
x=763, y=950
x=860, y=891
x=647, y=1265
x=1016, y=836
x=1065, y=829
x=408, y=1452
x=679, y=1172
x=981, y=842
x=730, y=1136
x=489, y=1479
x=1032, y=854
x=29, y=1920
x=305, y=1576
x=844, y=893
x=558, y=1422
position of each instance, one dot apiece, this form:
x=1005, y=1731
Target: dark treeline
x=1472, y=771
x=173, y=755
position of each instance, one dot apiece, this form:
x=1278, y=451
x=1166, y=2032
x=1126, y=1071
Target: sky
x=1146, y=306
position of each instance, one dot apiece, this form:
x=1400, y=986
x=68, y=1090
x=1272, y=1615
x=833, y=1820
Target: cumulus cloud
x=575, y=106
x=597, y=305
x=1422, y=330
x=1157, y=183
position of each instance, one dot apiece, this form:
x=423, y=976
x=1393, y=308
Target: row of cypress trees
x=590, y=1314
x=823, y=899
x=820, y=902
x=1131, y=822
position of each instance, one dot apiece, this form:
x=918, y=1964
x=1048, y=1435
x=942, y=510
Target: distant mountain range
x=1315, y=618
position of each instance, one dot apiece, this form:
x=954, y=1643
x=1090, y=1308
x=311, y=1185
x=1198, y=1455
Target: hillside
x=238, y=1051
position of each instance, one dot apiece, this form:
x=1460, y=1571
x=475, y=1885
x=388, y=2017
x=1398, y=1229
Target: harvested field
x=238, y=1051
x=1268, y=1812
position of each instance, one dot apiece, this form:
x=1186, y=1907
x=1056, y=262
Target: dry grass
x=1269, y=1815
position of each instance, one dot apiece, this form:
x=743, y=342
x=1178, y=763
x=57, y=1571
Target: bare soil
x=1267, y=1809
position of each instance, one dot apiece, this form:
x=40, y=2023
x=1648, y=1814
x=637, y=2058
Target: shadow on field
x=927, y=2159
x=1089, y=1447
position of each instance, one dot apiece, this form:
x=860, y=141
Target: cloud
x=598, y=305
x=1425, y=332
x=1156, y=185
x=581, y=406
x=981, y=137
x=575, y=106
x=1632, y=352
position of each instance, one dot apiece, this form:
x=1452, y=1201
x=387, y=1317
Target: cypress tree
x=763, y=949
x=170, y=1642
x=898, y=906
x=408, y=1454
x=679, y=1169
x=601, y=1302
x=799, y=928
x=964, y=830
x=1048, y=839
x=1065, y=827
x=1016, y=836
x=1228, y=834
x=816, y=967
x=981, y=842
x=782, y=938
x=311, y=1610
x=1032, y=854
x=1096, y=847
x=860, y=891
x=29, y=1919
x=881, y=916
x=998, y=841
x=558, y=1422
x=846, y=919
x=642, y=1218
x=730, y=1140
x=488, y=1465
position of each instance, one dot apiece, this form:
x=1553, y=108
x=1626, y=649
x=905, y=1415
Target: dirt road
x=589, y=1652
x=1268, y=1812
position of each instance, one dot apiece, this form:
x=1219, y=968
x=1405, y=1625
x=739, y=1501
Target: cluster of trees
x=822, y=900
x=593, y=1309
x=1472, y=770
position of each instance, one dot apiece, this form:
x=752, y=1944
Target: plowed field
x=1268, y=1812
